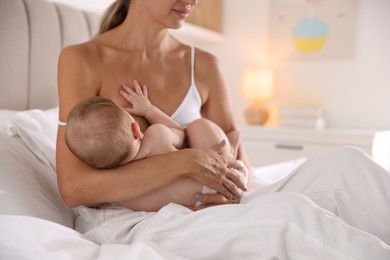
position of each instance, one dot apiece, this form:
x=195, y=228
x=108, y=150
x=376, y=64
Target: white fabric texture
x=278, y=226
x=268, y=227
x=275, y=221
x=37, y=239
x=348, y=183
x=38, y=129
x=5, y=115
x=28, y=186
x=381, y=149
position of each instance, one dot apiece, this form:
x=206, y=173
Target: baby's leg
x=180, y=192
x=203, y=133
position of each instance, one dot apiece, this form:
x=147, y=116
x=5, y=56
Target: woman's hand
x=218, y=172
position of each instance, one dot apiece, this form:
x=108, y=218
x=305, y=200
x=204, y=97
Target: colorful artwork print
x=312, y=29
x=310, y=35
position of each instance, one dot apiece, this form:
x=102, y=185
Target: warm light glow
x=257, y=83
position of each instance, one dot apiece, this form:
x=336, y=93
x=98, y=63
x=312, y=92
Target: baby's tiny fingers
x=125, y=95
x=129, y=91
x=137, y=88
x=145, y=90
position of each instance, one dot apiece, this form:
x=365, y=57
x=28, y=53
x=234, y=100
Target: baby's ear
x=136, y=130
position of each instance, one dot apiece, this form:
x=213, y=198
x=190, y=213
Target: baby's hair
x=98, y=132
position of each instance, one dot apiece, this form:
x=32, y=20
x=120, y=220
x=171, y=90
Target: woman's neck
x=140, y=33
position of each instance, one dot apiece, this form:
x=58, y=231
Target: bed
x=36, y=224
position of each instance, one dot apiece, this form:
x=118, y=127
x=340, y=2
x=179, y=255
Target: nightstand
x=269, y=145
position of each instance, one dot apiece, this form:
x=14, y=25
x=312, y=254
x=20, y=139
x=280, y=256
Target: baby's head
x=100, y=133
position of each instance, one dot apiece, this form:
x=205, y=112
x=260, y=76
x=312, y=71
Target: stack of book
x=302, y=117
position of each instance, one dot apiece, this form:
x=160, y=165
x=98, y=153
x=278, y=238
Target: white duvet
x=35, y=224
x=272, y=227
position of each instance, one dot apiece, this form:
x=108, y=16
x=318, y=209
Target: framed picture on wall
x=312, y=29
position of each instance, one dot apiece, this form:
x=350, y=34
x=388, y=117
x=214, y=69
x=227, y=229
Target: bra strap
x=193, y=65
x=61, y=123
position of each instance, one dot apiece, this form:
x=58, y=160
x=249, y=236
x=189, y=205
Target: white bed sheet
x=25, y=237
x=35, y=223
x=265, y=228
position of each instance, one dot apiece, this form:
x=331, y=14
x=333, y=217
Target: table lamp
x=257, y=84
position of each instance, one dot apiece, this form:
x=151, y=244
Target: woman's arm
x=216, y=106
x=80, y=184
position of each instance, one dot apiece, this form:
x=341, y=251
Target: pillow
x=38, y=130
x=268, y=174
x=5, y=116
x=29, y=187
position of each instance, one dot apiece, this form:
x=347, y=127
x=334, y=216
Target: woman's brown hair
x=114, y=15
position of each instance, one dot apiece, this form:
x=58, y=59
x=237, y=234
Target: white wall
x=354, y=93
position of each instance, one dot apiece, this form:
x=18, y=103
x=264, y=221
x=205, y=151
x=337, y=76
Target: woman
x=134, y=44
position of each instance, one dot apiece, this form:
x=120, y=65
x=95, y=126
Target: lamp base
x=256, y=113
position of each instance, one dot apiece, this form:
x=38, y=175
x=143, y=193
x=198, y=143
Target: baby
x=104, y=135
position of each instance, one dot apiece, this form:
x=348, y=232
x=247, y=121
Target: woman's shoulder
x=203, y=56
x=205, y=62
x=83, y=50
x=78, y=64
x=84, y=57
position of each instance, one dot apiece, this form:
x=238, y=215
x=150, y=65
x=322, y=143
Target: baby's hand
x=138, y=99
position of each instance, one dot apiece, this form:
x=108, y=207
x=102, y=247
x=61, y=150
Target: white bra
x=189, y=109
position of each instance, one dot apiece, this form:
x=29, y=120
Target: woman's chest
x=167, y=84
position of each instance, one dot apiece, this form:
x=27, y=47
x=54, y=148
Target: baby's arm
x=159, y=139
x=141, y=106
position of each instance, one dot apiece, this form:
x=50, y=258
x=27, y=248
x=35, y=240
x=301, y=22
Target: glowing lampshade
x=257, y=84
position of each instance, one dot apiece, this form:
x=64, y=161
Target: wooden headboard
x=32, y=33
